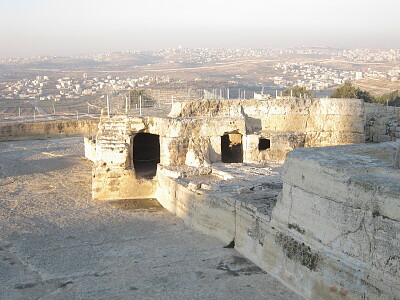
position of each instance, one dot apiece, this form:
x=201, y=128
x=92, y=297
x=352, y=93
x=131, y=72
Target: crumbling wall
x=342, y=203
x=290, y=122
x=191, y=142
x=113, y=175
x=333, y=231
x=200, y=133
x=194, y=142
x=90, y=148
x=212, y=215
x=397, y=155
x=280, y=144
x=49, y=129
x=382, y=123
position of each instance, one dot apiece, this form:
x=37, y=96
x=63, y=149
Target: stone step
x=122, y=134
x=109, y=140
x=115, y=147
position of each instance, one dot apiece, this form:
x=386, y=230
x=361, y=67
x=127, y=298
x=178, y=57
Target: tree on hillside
x=298, y=91
x=347, y=90
x=392, y=98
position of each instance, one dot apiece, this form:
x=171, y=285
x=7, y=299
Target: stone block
x=384, y=138
x=397, y=155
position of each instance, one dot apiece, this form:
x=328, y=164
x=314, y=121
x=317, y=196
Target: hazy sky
x=63, y=27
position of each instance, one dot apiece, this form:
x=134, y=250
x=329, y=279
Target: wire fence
x=34, y=111
x=150, y=102
x=38, y=111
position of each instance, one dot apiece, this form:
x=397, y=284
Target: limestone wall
x=194, y=133
x=212, y=215
x=343, y=203
x=280, y=144
x=48, y=129
x=90, y=148
x=113, y=173
x=333, y=233
x=290, y=122
x=276, y=114
x=188, y=142
x=382, y=123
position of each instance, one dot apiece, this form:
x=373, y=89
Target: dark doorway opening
x=264, y=144
x=231, y=148
x=146, y=154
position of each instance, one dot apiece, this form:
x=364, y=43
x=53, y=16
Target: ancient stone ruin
x=325, y=223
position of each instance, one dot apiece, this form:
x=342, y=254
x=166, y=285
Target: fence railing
x=154, y=102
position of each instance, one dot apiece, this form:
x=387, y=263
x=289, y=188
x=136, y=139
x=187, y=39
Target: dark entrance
x=264, y=144
x=146, y=154
x=231, y=148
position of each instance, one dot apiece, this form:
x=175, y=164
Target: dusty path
x=55, y=243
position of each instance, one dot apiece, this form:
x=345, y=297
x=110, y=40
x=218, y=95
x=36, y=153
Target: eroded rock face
x=195, y=134
x=342, y=204
x=333, y=230
x=382, y=123
x=397, y=155
x=35, y=130
x=331, y=233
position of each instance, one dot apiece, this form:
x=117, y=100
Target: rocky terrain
x=56, y=243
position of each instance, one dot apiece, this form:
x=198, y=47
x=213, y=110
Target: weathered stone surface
x=35, y=130
x=114, y=184
x=193, y=134
x=56, y=244
x=381, y=121
x=90, y=148
x=397, y=154
x=331, y=232
x=197, y=154
x=280, y=144
x=384, y=138
x=344, y=203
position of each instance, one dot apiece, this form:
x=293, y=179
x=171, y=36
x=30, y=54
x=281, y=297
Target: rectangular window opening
x=264, y=144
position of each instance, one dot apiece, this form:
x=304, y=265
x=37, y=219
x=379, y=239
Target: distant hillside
x=119, y=61
x=378, y=86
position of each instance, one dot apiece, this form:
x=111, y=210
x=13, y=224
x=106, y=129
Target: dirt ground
x=56, y=243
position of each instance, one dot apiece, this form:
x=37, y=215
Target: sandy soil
x=56, y=243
